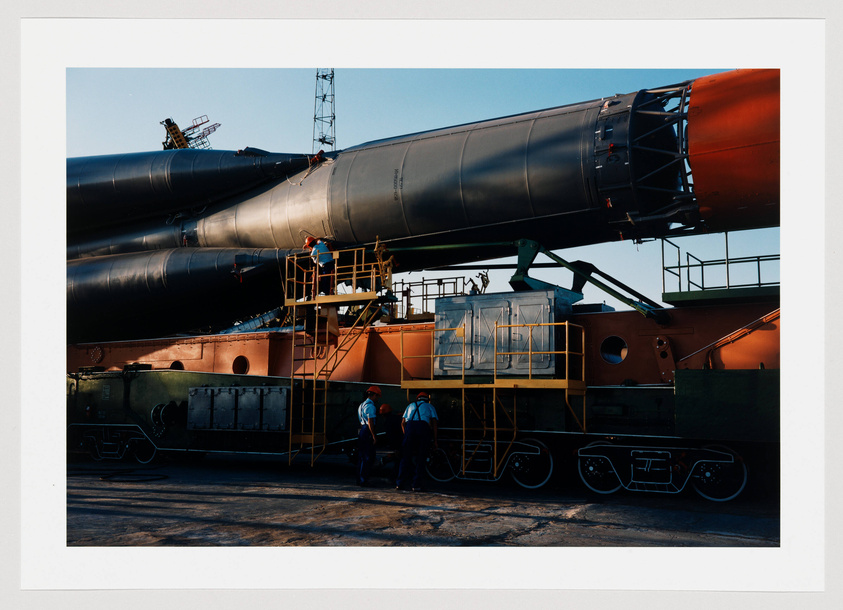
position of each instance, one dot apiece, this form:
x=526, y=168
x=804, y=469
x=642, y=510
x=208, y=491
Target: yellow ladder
x=319, y=348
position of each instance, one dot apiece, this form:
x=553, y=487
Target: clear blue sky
x=118, y=110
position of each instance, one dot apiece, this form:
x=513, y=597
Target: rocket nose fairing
x=697, y=156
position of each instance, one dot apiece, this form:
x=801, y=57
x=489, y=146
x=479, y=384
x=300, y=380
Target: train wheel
x=439, y=467
x=597, y=473
x=92, y=443
x=531, y=470
x=143, y=450
x=720, y=481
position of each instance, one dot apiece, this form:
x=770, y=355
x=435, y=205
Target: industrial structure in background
x=195, y=136
x=197, y=323
x=324, y=112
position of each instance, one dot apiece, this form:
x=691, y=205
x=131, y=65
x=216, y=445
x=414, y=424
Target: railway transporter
x=194, y=325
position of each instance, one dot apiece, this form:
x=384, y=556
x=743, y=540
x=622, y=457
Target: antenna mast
x=324, y=129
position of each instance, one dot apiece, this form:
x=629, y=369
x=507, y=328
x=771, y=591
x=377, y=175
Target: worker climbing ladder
x=360, y=281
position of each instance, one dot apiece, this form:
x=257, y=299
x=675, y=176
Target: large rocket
x=177, y=240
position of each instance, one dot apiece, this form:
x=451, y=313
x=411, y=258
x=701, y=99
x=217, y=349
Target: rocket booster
x=169, y=291
x=623, y=167
x=107, y=190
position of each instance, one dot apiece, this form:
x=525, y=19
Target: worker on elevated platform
x=366, y=438
x=421, y=425
x=323, y=264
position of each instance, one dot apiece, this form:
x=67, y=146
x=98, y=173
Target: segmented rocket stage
x=171, y=241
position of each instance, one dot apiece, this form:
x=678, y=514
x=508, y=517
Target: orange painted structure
x=734, y=141
x=374, y=357
x=698, y=337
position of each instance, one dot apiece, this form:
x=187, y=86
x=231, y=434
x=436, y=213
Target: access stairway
x=360, y=282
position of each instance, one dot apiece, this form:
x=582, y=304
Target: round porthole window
x=613, y=349
x=240, y=365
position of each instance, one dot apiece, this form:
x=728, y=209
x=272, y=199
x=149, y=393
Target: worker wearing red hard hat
x=323, y=262
x=366, y=438
x=420, y=424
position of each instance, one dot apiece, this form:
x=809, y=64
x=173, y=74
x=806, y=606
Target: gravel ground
x=237, y=502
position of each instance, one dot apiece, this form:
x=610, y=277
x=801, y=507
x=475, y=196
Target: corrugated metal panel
x=480, y=314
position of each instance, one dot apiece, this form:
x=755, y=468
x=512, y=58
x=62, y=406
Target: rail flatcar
x=526, y=383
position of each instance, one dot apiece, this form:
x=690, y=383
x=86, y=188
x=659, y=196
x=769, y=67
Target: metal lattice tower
x=324, y=118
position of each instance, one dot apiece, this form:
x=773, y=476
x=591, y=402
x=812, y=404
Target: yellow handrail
x=357, y=267
x=301, y=282
x=530, y=352
x=432, y=356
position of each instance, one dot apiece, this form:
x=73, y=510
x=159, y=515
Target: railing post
x=728, y=284
x=567, y=352
x=687, y=269
x=530, y=352
x=679, y=266
x=495, y=356
x=432, y=351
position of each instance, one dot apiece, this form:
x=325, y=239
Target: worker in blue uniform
x=367, y=414
x=421, y=425
x=323, y=264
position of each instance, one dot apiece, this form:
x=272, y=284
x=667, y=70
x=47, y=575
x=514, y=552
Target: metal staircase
x=358, y=279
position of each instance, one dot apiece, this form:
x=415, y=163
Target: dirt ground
x=235, y=502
